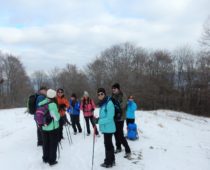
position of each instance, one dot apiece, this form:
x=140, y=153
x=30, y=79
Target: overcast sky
x=50, y=33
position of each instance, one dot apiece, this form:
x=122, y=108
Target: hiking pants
x=61, y=123
x=130, y=121
x=50, y=144
x=75, y=123
x=87, y=119
x=39, y=136
x=119, y=137
x=109, y=149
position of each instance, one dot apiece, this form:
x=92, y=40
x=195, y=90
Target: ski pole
x=84, y=127
x=67, y=135
x=94, y=137
x=58, y=151
x=68, y=128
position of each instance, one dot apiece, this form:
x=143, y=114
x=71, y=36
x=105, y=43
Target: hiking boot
x=53, y=163
x=117, y=150
x=39, y=143
x=45, y=160
x=113, y=163
x=106, y=165
x=88, y=134
x=75, y=133
x=127, y=155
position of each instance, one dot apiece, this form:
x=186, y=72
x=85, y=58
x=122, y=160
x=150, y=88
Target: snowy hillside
x=168, y=141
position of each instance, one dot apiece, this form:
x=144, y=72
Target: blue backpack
x=132, y=131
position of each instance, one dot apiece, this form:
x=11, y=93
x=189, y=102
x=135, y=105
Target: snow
x=168, y=141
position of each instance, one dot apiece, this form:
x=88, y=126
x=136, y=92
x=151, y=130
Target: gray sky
x=49, y=33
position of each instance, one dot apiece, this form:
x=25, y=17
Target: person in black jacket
x=119, y=97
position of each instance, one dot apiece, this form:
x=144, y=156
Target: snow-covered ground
x=168, y=141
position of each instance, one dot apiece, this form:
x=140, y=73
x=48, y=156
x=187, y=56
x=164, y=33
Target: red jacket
x=87, y=106
x=63, y=104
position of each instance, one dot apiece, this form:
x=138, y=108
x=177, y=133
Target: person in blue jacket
x=106, y=126
x=130, y=111
x=74, y=111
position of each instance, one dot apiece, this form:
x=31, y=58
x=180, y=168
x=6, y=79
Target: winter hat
x=116, y=85
x=51, y=93
x=86, y=94
x=73, y=95
x=101, y=90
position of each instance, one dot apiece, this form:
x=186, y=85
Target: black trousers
x=90, y=119
x=39, y=135
x=50, y=144
x=109, y=149
x=75, y=123
x=119, y=137
x=130, y=121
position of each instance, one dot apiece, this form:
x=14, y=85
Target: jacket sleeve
x=81, y=106
x=109, y=115
x=134, y=106
x=93, y=104
x=43, y=102
x=66, y=102
x=77, y=106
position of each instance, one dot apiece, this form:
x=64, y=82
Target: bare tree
x=205, y=38
x=40, y=78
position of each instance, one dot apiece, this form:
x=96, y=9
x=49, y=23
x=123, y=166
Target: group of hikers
x=113, y=111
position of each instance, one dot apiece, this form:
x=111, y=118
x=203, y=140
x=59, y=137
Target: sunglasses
x=100, y=94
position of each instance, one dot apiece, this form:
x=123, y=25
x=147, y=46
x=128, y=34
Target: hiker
x=74, y=111
x=63, y=105
x=106, y=126
x=88, y=107
x=120, y=98
x=41, y=95
x=50, y=131
x=130, y=110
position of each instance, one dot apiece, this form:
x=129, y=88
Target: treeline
x=14, y=82
x=159, y=79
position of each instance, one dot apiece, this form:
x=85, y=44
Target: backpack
x=31, y=104
x=132, y=131
x=117, y=109
x=43, y=117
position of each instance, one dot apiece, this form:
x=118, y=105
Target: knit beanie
x=116, y=85
x=51, y=93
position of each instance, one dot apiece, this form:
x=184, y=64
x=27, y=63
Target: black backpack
x=31, y=104
x=117, y=109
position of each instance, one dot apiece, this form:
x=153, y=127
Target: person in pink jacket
x=88, y=106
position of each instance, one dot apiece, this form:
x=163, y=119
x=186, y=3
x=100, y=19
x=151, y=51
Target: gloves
x=96, y=120
x=62, y=107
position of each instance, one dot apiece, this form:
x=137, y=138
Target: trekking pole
x=67, y=135
x=84, y=126
x=68, y=128
x=58, y=151
x=94, y=138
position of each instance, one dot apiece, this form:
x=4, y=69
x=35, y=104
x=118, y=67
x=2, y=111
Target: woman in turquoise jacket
x=51, y=131
x=106, y=126
x=130, y=111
